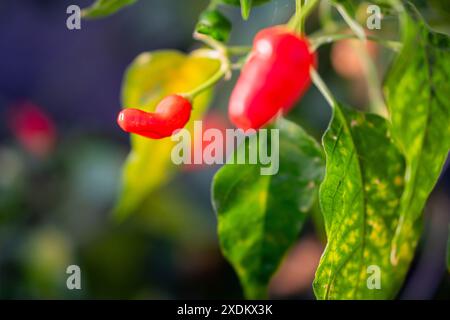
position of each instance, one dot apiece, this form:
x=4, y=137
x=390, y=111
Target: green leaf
x=359, y=198
x=103, y=8
x=246, y=5
x=417, y=90
x=260, y=216
x=151, y=77
x=214, y=24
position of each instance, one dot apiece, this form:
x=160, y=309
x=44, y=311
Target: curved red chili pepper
x=172, y=113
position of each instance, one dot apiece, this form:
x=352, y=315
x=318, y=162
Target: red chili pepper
x=172, y=113
x=274, y=78
x=33, y=128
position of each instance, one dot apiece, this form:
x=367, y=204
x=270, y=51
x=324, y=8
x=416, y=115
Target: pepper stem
x=301, y=13
x=320, y=84
x=216, y=77
x=319, y=40
x=219, y=52
x=376, y=99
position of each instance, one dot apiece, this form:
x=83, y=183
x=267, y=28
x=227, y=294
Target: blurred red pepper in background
x=32, y=127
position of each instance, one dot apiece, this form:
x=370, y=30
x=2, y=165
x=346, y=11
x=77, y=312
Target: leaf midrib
x=331, y=279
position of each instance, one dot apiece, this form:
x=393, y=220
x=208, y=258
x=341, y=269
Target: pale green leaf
x=260, y=216
x=151, y=77
x=103, y=8
x=359, y=198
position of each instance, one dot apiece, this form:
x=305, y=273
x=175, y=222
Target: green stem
x=220, y=47
x=373, y=83
x=353, y=24
x=325, y=17
x=221, y=52
x=238, y=50
x=223, y=72
x=213, y=4
x=298, y=5
x=216, y=45
x=318, y=41
x=240, y=63
x=320, y=84
x=298, y=19
x=216, y=77
x=298, y=10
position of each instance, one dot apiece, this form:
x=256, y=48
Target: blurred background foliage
x=61, y=155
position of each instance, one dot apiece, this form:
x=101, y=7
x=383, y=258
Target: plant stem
x=318, y=41
x=376, y=99
x=240, y=63
x=238, y=50
x=216, y=77
x=220, y=47
x=221, y=52
x=216, y=45
x=213, y=5
x=325, y=16
x=223, y=72
x=298, y=6
x=298, y=19
x=298, y=10
x=320, y=84
x=373, y=83
x=352, y=23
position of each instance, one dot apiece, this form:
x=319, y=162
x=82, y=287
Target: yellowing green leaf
x=260, y=216
x=151, y=77
x=359, y=198
x=103, y=8
x=417, y=90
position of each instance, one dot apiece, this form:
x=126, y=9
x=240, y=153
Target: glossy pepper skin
x=274, y=78
x=172, y=113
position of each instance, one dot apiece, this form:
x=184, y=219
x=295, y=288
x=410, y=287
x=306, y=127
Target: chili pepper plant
x=371, y=174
